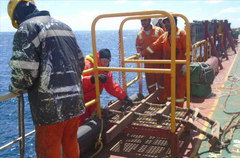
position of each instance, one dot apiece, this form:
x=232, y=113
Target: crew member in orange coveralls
x=164, y=45
x=106, y=81
x=146, y=37
x=47, y=62
x=159, y=23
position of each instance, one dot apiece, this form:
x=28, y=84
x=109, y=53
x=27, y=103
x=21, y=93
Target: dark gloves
x=102, y=78
x=129, y=101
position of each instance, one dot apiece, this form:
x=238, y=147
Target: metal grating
x=149, y=122
x=141, y=146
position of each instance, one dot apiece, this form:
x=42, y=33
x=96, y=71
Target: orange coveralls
x=111, y=87
x=60, y=133
x=142, y=42
x=164, y=45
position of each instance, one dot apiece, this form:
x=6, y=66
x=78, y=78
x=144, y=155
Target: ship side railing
x=96, y=69
x=21, y=123
x=215, y=45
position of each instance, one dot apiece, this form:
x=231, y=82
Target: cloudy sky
x=79, y=14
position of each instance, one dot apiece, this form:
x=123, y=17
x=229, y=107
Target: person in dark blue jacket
x=47, y=63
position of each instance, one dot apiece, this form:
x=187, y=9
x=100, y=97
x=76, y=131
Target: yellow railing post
x=96, y=68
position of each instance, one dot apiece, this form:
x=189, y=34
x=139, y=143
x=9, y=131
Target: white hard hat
x=155, y=21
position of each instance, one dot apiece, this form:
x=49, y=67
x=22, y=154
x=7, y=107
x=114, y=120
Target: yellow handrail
x=146, y=14
x=173, y=61
x=122, y=52
x=196, y=45
x=206, y=49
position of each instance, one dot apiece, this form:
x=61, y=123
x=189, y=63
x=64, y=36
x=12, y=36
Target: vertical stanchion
x=21, y=125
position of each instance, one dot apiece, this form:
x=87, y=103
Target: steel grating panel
x=148, y=121
x=134, y=145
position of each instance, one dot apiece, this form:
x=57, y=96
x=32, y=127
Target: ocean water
x=9, y=108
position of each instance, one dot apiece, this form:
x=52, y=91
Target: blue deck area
x=229, y=97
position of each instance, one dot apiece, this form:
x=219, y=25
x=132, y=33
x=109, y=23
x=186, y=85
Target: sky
x=79, y=14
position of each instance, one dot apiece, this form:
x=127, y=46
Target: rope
x=99, y=142
x=227, y=127
x=231, y=129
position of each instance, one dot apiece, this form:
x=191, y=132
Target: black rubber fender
x=88, y=134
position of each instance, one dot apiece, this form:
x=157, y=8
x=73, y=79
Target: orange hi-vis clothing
x=164, y=45
x=64, y=133
x=110, y=86
x=164, y=29
x=142, y=42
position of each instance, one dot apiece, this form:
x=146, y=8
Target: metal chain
x=120, y=73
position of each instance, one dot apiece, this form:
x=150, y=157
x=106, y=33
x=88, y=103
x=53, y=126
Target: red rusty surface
x=213, y=62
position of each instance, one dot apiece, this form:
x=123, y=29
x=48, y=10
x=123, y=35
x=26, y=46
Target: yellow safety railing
x=204, y=52
x=198, y=57
x=122, y=48
x=173, y=61
x=96, y=68
x=138, y=74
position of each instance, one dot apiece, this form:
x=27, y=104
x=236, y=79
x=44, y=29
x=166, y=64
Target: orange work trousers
x=155, y=78
x=49, y=138
x=161, y=86
x=180, y=89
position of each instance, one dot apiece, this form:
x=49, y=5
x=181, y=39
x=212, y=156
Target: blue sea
x=9, y=108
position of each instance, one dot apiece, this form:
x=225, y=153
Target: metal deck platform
x=145, y=138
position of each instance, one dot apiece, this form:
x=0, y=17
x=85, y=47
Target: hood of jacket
x=90, y=58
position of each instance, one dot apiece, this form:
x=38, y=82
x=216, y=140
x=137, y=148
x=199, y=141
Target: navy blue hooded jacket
x=47, y=63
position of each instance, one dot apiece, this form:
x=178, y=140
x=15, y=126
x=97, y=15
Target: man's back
x=54, y=80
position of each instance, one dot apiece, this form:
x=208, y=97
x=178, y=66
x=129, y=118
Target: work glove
x=138, y=55
x=102, y=78
x=184, y=68
x=129, y=101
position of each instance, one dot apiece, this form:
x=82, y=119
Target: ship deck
x=191, y=144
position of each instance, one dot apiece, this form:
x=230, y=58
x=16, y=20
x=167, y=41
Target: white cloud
x=197, y=9
x=236, y=23
x=39, y=4
x=213, y=1
x=231, y=10
x=216, y=15
x=91, y=13
x=5, y=18
x=146, y=4
x=82, y=21
x=66, y=4
x=120, y=1
x=6, y=22
x=194, y=1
